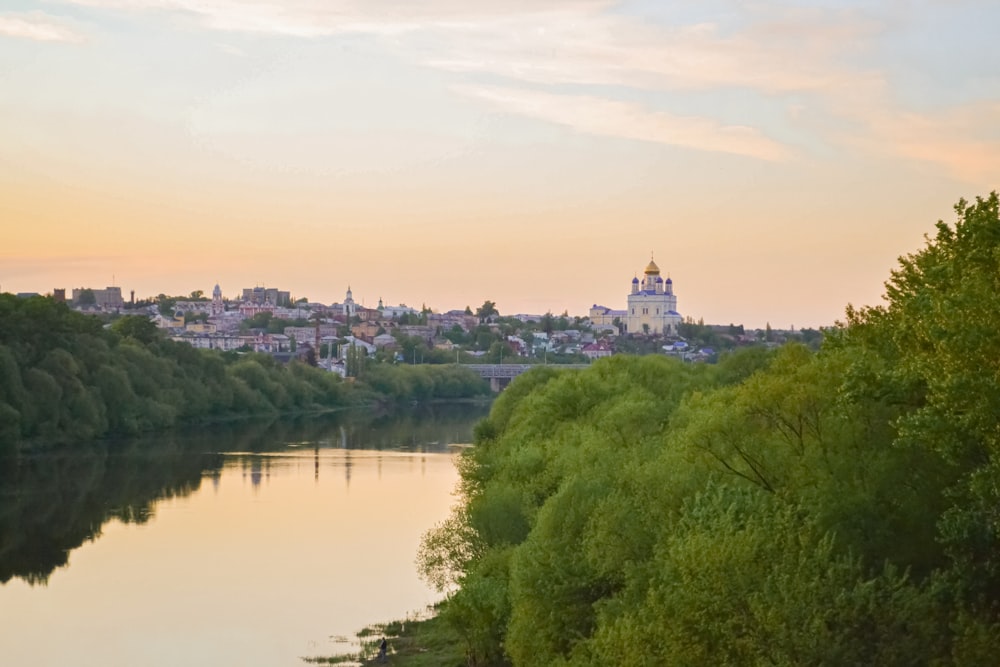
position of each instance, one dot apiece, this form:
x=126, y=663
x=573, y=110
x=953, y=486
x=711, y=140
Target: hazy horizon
x=775, y=160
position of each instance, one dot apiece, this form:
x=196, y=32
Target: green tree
x=486, y=311
x=548, y=322
x=138, y=327
x=86, y=298
x=165, y=304
x=938, y=338
x=355, y=361
x=786, y=507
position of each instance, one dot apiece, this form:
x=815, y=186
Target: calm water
x=249, y=545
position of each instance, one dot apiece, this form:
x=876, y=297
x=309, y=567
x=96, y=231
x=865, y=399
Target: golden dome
x=652, y=269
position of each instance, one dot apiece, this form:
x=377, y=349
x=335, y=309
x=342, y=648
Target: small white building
x=351, y=341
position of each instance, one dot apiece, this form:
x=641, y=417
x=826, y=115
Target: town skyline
x=776, y=160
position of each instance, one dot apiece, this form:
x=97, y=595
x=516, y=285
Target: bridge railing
x=513, y=370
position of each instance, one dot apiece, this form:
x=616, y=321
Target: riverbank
x=422, y=642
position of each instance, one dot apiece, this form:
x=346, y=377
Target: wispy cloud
x=953, y=139
x=602, y=117
x=784, y=58
x=37, y=26
x=564, y=41
x=601, y=49
x=315, y=18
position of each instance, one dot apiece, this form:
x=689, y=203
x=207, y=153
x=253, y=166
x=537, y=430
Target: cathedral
x=652, y=305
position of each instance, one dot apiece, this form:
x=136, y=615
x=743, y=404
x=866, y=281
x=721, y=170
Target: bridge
x=500, y=375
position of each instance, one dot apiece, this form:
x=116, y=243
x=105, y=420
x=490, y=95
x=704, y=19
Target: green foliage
x=486, y=311
x=355, y=361
x=139, y=327
x=827, y=507
x=937, y=339
x=266, y=321
x=86, y=297
x=64, y=379
x=424, y=382
x=165, y=304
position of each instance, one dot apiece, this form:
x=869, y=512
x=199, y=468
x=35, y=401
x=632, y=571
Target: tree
x=165, y=304
x=86, y=298
x=548, y=322
x=938, y=338
x=486, y=311
x=198, y=295
x=498, y=350
x=137, y=327
x=355, y=361
x=784, y=507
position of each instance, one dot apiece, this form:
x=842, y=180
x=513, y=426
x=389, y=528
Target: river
x=254, y=544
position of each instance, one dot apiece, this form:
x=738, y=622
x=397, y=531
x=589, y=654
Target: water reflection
x=251, y=544
x=52, y=504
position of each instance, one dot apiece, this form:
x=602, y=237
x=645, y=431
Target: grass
x=420, y=642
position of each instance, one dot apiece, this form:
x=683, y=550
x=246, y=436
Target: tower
x=217, y=306
x=350, y=309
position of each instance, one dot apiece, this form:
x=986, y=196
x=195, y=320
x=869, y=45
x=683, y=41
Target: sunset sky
x=776, y=158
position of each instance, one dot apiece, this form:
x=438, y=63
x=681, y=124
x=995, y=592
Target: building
x=392, y=312
x=652, y=304
x=266, y=295
x=107, y=298
x=365, y=330
x=248, y=309
x=385, y=341
x=214, y=341
x=603, y=316
x=308, y=334
x=357, y=343
x=597, y=350
x=448, y=321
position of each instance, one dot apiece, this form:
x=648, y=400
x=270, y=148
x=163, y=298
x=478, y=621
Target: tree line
x=788, y=507
x=66, y=378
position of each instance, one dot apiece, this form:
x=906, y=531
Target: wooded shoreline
x=66, y=379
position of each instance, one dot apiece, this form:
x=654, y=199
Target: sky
x=775, y=159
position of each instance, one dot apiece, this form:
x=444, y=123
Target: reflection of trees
x=420, y=428
x=52, y=503
x=423, y=428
